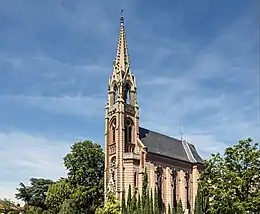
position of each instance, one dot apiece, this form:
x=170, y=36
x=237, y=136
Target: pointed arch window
x=115, y=94
x=127, y=93
x=114, y=131
x=128, y=131
x=128, y=135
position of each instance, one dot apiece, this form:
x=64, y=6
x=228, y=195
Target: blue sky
x=196, y=65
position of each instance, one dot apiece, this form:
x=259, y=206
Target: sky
x=196, y=65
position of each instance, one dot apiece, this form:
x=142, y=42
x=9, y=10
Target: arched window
x=113, y=130
x=128, y=131
x=127, y=93
x=115, y=94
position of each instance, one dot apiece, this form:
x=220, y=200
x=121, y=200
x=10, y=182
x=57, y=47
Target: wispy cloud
x=24, y=156
x=88, y=107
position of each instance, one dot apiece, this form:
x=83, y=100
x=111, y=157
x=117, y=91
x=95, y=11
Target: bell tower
x=121, y=123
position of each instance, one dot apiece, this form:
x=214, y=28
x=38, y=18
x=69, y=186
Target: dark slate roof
x=168, y=146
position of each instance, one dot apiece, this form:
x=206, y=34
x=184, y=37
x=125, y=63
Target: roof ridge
x=156, y=132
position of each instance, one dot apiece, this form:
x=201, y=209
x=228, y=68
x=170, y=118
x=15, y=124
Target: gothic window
x=128, y=131
x=115, y=94
x=128, y=135
x=127, y=93
x=113, y=130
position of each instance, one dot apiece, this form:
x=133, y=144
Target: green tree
x=85, y=165
x=35, y=194
x=151, y=203
x=134, y=204
x=57, y=194
x=145, y=196
x=169, y=209
x=7, y=206
x=112, y=206
x=138, y=207
x=180, y=208
x=24, y=193
x=156, y=201
x=69, y=206
x=201, y=201
x=123, y=205
x=232, y=182
x=129, y=200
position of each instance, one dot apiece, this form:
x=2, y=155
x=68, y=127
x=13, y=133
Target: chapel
x=173, y=166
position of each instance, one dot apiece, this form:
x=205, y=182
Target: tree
x=232, y=182
x=134, y=204
x=112, y=206
x=85, y=165
x=24, y=194
x=69, y=207
x=129, y=200
x=180, y=208
x=145, y=196
x=57, y=193
x=123, y=205
x=35, y=194
x=201, y=201
x=156, y=201
x=138, y=207
x=151, y=203
x=169, y=209
x=7, y=206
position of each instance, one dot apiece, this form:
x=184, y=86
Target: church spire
x=122, y=62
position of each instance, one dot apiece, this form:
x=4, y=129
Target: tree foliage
x=180, y=208
x=69, y=207
x=85, y=165
x=231, y=183
x=57, y=194
x=35, y=193
x=112, y=206
x=8, y=206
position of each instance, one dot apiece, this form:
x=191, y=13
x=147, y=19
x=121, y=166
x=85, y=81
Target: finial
x=122, y=17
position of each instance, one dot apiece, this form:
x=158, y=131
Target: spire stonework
x=121, y=121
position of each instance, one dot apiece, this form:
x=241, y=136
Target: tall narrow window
x=128, y=131
x=115, y=94
x=128, y=135
x=114, y=131
x=127, y=93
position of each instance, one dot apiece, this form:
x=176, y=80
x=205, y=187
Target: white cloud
x=85, y=107
x=24, y=156
x=215, y=99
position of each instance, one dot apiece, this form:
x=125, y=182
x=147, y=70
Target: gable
x=167, y=146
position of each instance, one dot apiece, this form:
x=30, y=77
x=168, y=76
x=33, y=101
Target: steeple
x=122, y=62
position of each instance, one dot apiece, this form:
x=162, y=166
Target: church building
x=173, y=166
